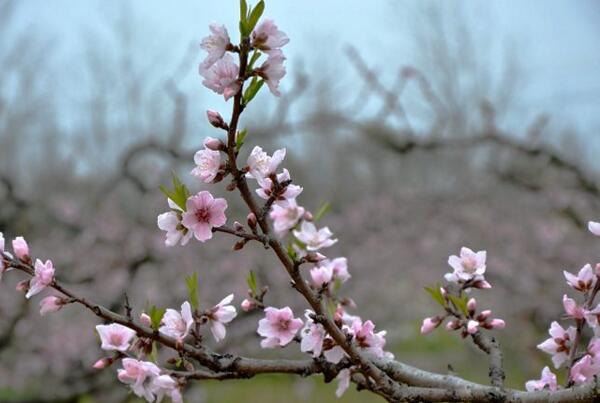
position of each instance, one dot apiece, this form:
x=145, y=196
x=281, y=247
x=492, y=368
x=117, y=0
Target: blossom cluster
x=563, y=344
x=468, y=273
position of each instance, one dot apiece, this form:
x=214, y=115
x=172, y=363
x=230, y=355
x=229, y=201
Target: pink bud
x=213, y=144
x=472, y=326
x=251, y=218
x=430, y=324
x=308, y=216
x=482, y=284
x=315, y=257
x=237, y=226
x=51, y=304
x=248, y=305
x=23, y=286
x=103, y=363
x=471, y=306
x=597, y=269
x=215, y=118
x=145, y=319
x=497, y=324
x=453, y=325
x=20, y=248
x=484, y=314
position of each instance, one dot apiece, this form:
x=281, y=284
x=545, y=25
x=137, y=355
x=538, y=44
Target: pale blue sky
x=558, y=40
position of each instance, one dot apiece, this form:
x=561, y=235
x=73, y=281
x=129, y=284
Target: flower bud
x=597, y=269
x=215, y=119
x=103, y=363
x=21, y=248
x=238, y=227
x=315, y=257
x=483, y=315
x=248, y=305
x=213, y=144
x=145, y=319
x=482, y=284
x=251, y=219
x=472, y=306
x=239, y=244
x=308, y=216
x=497, y=324
x=444, y=292
x=430, y=324
x=231, y=187
x=23, y=286
x=453, y=325
x=51, y=304
x=472, y=327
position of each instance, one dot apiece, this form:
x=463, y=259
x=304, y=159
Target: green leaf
x=243, y=10
x=253, y=60
x=239, y=139
x=324, y=209
x=252, y=90
x=460, y=303
x=179, y=194
x=436, y=294
x=290, y=251
x=255, y=15
x=154, y=353
x=192, y=286
x=251, y=280
x=156, y=315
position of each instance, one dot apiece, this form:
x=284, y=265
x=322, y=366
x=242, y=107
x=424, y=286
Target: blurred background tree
x=451, y=126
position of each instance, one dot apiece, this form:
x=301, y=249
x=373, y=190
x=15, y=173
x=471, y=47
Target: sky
x=556, y=40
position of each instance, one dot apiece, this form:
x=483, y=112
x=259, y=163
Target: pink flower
x=222, y=77
x=585, y=369
x=215, y=45
x=278, y=327
x=140, y=375
x=267, y=37
x=247, y=305
x=340, y=268
x=43, y=277
x=321, y=276
x=367, y=339
x=572, y=309
x=469, y=266
x=343, y=378
x=334, y=355
x=430, y=324
x=171, y=223
x=547, y=381
x=592, y=317
x=207, y=163
x=273, y=70
x=219, y=315
x=266, y=187
x=177, y=325
x=261, y=165
x=285, y=216
x=165, y=385
x=51, y=304
x=313, y=334
x=3, y=267
x=559, y=344
x=594, y=227
x=584, y=281
x=313, y=239
x=115, y=337
x=203, y=213
x=20, y=248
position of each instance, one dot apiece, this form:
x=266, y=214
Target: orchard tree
x=339, y=345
